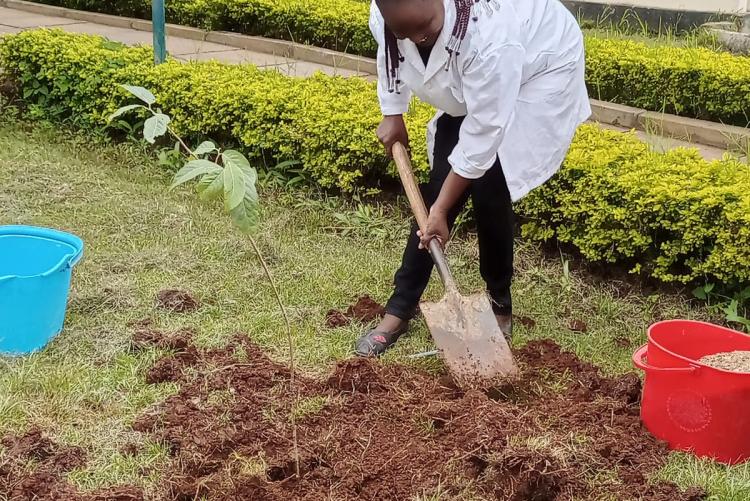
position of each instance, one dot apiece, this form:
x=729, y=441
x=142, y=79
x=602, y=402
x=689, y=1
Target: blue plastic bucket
x=35, y=270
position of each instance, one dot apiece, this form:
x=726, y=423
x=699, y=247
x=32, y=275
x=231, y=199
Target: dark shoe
x=374, y=343
x=505, y=322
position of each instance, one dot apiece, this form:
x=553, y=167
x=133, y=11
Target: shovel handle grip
x=405, y=172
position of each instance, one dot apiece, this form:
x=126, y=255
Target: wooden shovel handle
x=405, y=172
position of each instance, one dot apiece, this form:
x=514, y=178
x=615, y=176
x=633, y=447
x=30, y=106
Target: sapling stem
x=290, y=339
x=146, y=96
x=174, y=134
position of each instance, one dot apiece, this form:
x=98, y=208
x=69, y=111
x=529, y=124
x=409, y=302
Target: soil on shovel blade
x=388, y=432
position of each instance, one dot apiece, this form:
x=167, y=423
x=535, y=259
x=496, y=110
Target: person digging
x=507, y=79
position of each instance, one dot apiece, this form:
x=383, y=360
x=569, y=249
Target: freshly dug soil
x=387, y=432
x=176, y=301
x=561, y=431
x=32, y=467
x=736, y=361
x=365, y=310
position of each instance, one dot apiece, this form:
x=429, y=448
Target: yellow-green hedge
x=692, y=82
x=686, y=81
x=673, y=216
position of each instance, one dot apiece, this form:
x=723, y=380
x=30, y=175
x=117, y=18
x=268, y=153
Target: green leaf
x=204, y=147
x=287, y=163
x=155, y=127
x=233, y=157
x=731, y=311
x=211, y=186
x=193, y=169
x=708, y=288
x=700, y=293
x=124, y=110
x=245, y=215
x=236, y=158
x=234, y=186
x=143, y=94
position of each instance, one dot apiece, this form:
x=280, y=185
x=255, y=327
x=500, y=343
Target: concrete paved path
x=14, y=21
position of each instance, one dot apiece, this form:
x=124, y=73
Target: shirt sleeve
x=391, y=103
x=491, y=85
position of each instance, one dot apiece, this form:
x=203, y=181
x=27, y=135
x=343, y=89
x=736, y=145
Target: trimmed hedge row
x=673, y=216
x=691, y=82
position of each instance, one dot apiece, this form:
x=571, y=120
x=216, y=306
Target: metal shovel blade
x=466, y=331
x=464, y=328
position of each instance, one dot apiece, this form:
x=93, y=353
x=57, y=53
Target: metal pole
x=158, y=17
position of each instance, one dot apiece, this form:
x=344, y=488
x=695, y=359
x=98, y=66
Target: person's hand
x=392, y=129
x=437, y=227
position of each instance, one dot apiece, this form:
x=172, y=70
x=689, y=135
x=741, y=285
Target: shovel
x=464, y=329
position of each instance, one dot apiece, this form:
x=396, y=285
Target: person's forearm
x=452, y=190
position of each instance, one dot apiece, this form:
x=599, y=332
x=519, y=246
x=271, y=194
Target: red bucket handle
x=640, y=354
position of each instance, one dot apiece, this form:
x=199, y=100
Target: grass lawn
x=87, y=386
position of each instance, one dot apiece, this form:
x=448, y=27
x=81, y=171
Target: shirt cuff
x=466, y=169
x=391, y=108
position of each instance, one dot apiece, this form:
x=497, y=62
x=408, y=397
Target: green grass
x=695, y=39
x=86, y=386
x=631, y=27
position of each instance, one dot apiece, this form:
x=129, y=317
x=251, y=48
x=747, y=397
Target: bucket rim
x=69, y=259
x=689, y=360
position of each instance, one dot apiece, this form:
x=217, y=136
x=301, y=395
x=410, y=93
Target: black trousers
x=493, y=213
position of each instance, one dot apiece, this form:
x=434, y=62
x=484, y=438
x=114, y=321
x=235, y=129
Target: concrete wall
x=725, y=6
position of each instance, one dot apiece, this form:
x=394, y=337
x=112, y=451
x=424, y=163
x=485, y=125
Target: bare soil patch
x=390, y=432
x=561, y=431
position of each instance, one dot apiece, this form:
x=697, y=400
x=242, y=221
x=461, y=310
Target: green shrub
x=130, y=8
x=275, y=117
x=692, y=82
x=673, y=216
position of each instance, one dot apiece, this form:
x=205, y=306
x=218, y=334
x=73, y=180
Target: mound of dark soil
x=561, y=431
x=387, y=432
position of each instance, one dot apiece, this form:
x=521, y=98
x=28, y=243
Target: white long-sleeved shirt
x=518, y=80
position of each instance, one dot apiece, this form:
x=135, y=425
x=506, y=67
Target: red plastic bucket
x=689, y=405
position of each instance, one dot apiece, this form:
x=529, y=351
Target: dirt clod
x=176, y=301
x=336, y=318
x=735, y=361
x=365, y=310
x=170, y=367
